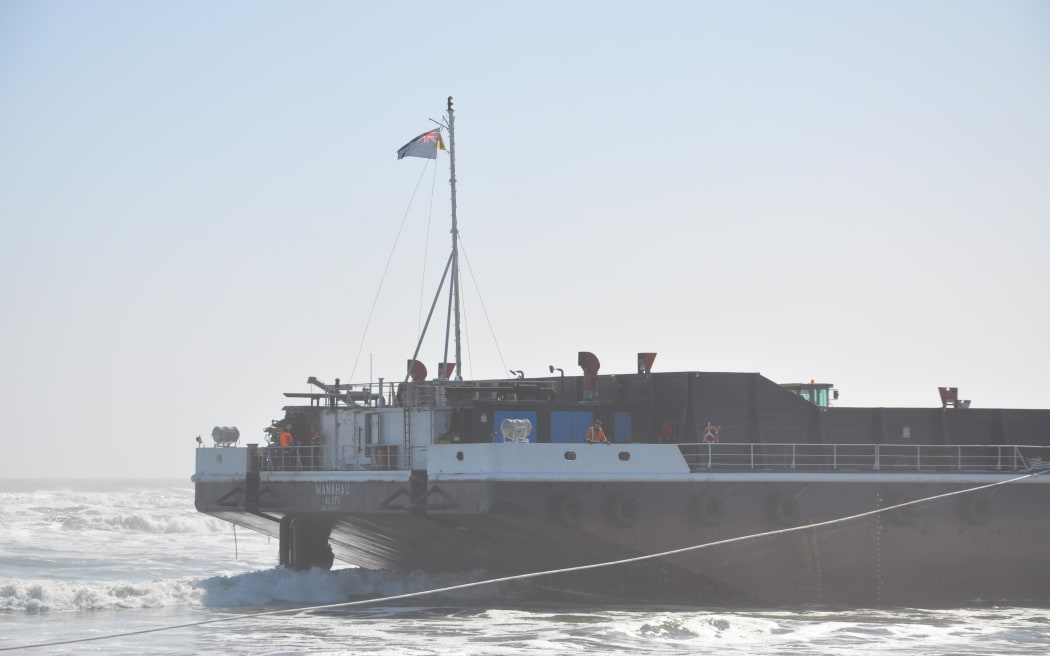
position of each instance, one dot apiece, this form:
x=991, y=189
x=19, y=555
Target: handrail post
x=876, y=464
x=958, y=457
x=751, y=448
x=1020, y=456
x=793, y=455
x=835, y=457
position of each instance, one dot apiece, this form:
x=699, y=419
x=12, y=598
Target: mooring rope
x=531, y=575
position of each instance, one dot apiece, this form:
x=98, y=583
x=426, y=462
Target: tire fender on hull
x=569, y=510
x=624, y=510
x=977, y=508
x=783, y=509
x=707, y=508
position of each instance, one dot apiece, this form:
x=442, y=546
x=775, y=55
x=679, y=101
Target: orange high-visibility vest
x=286, y=439
x=596, y=436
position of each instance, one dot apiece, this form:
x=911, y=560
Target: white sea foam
x=317, y=587
x=719, y=627
x=45, y=596
x=275, y=587
x=77, y=562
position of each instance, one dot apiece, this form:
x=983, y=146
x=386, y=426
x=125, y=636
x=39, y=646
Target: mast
x=454, y=287
x=452, y=265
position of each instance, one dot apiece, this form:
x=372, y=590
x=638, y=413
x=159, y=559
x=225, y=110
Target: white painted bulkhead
x=222, y=462
x=528, y=461
x=374, y=437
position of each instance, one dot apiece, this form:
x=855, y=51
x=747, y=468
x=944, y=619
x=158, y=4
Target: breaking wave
x=144, y=522
x=46, y=596
x=281, y=587
x=274, y=588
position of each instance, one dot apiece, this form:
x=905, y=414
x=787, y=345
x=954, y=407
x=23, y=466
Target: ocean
x=84, y=560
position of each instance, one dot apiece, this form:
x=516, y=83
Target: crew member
x=286, y=437
x=595, y=434
x=667, y=432
x=710, y=433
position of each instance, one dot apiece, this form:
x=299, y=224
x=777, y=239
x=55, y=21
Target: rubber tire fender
x=707, y=508
x=569, y=510
x=624, y=510
x=784, y=509
x=977, y=509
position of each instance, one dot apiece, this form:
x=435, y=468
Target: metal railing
x=288, y=458
x=736, y=457
x=864, y=457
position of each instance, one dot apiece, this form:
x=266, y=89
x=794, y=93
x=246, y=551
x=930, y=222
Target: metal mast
x=454, y=289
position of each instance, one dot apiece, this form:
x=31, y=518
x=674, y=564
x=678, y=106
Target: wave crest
x=45, y=596
x=282, y=587
x=273, y=588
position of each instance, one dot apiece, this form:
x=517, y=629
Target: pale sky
x=198, y=200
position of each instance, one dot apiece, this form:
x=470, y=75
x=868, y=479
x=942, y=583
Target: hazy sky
x=198, y=199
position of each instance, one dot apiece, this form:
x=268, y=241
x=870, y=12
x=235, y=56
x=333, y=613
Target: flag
x=425, y=145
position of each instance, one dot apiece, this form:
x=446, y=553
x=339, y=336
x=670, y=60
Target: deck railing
x=864, y=457
x=737, y=457
x=288, y=458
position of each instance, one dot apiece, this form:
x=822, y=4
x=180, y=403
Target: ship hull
x=736, y=541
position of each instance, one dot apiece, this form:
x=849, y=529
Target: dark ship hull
x=766, y=515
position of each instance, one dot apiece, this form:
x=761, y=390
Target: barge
x=440, y=474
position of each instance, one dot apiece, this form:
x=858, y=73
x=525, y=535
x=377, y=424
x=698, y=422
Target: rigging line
x=426, y=249
x=463, y=311
x=382, y=278
x=466, y=337
x=422, y=334
x=448, y=330
x=484, y=310
x=470, y=353
x=519, y=577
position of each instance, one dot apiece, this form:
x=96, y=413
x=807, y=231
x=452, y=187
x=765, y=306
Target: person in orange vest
x=595, y=434
x=286, y=438
x=710, y=433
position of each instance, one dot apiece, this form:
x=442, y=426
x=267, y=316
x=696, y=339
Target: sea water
x=84, y=560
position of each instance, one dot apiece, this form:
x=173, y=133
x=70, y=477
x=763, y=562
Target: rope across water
x=530, y=575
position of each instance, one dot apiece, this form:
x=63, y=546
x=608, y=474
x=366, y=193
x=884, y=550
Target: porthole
x=570, y=455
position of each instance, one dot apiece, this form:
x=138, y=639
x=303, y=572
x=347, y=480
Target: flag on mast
x=425, y=145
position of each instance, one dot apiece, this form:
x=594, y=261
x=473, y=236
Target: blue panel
x=500, y=415
x=622, y=425
x=561, y=426
x=569, y=426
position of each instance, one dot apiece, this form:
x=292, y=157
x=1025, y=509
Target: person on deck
x=667, y=432
x=595, y=434
x=710, y=433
